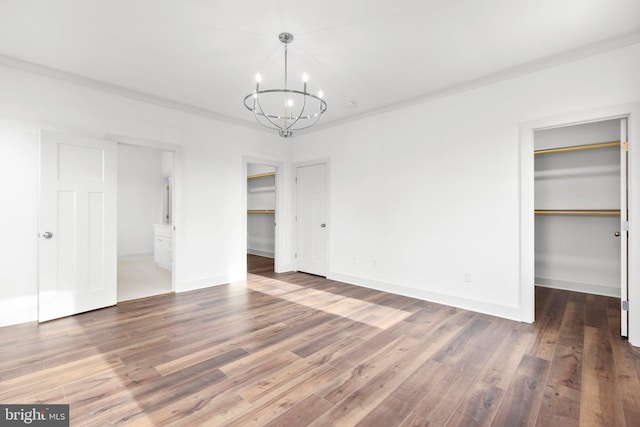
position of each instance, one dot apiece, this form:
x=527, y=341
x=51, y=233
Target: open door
x=77, y=225
x=624, y=230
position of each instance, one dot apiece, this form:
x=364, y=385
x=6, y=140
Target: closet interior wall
x=261, y=204
x=578, y=250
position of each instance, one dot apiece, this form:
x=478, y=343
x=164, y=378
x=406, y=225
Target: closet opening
x=145, y=222
x=580, y=199
x=261, y=218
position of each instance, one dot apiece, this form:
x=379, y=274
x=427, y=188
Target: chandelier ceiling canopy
x=284, y=109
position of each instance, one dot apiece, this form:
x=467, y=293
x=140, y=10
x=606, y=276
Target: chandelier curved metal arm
x=291, y=117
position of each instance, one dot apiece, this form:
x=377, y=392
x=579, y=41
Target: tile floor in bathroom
x=140, y=278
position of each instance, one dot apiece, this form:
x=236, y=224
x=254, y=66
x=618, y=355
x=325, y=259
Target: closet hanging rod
x=261, y=211
x=261, y=175
x=578, y=147
x=577, y=211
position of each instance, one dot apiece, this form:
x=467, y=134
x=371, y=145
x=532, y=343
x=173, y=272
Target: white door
x=624, y=227
x=311, y=219
x=77, y=225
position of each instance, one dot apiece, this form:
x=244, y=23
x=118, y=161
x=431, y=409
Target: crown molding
x=505, y=74
x=508, y=73
x=79, y=80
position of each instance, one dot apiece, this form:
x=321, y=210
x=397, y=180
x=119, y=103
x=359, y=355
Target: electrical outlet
x=468, y=277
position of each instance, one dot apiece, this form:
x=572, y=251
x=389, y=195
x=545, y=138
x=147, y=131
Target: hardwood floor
x=293, y=349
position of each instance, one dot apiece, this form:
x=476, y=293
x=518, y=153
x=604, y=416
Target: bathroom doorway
x=145, y=221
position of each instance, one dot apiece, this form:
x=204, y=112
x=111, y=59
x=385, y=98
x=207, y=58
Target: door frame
x=327, y=162
x=527, y=228
x=176, y=205
x=278, y=262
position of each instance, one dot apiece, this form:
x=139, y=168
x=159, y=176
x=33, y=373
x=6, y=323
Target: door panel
x=624, y=276
x=77, y=261
x=311, y=225
x=96, y=234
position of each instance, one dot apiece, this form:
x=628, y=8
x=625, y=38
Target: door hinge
x=296, y=256
x=296, y=179
x=625, y=146
x=625, y=305
x=625, y=225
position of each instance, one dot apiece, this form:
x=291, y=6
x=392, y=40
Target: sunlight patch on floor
x=372, y=314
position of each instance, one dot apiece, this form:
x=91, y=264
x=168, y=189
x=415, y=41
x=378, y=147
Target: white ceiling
x=202, y=55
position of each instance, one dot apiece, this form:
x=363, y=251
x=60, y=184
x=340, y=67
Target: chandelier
x=285, y=110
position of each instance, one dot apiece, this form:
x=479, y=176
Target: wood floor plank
x=285, y=397
x=627, y=363
x=416, y=421
x=522, y=401
x=455, y=389
x=369, y=395
x=352, y=379
x=290, y=349
x=478, y=407
x=401, y=403
x=560, y=407
x=544, y=340
x=506, y=357
x=310, y=408
x=601, y=403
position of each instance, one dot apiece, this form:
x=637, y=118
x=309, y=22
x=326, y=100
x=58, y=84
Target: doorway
x=580, y=204
x=261, y=217
x=527, y=219
x=145, y=222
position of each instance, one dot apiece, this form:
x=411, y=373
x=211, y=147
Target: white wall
x=210, y=192
x=19, y=214
x=422, y=195
x=140, y=189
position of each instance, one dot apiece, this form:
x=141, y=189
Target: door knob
x=617, y=234
x=323, y=225
x=47, y=235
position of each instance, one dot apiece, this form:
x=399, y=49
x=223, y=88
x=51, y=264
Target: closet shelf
x=261, y=211
x=262, y=190
x=577, y=211
x=261, y=175
x=577, y=147
x=611, y=170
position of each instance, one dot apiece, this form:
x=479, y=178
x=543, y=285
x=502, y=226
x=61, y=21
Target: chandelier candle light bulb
x=265, y=110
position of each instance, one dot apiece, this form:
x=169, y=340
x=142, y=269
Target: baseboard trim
x=16, y=310
x=511, y=313
x=124, y=257
x=285, y=268
x=259, y=252
x=192, y=285
x=589, y=288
